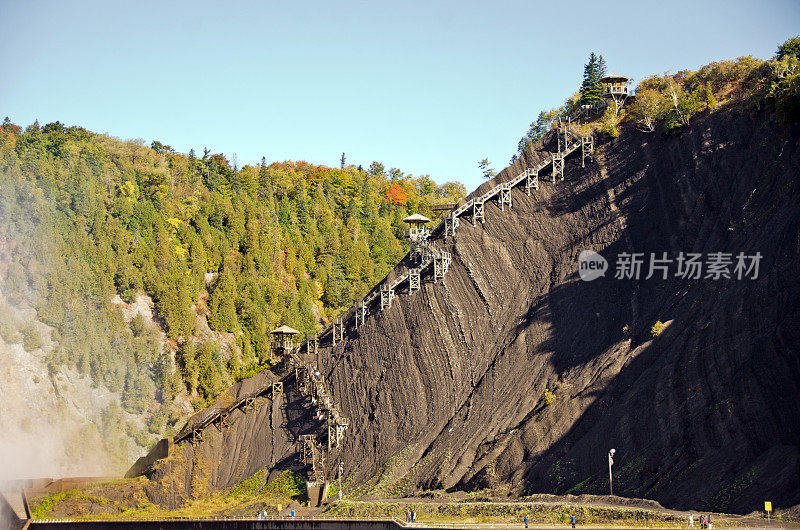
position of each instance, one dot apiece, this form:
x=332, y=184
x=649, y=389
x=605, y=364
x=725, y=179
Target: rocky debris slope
x=513, y=372
x=263, y=434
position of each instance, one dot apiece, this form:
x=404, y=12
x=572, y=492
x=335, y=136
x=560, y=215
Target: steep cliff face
x=257, y=434
x=446, y=388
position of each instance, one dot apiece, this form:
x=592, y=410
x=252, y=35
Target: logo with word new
x=591, y=265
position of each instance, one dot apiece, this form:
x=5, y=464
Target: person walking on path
x=708, y=521
x=691, y=521
x=525, y=520
x=572, y=520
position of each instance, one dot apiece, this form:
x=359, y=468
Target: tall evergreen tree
x=591, y=91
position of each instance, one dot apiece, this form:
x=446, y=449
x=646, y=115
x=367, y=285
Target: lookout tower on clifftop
x=283, y=340
x=615, y=88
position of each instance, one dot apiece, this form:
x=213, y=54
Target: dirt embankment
x=446, y=388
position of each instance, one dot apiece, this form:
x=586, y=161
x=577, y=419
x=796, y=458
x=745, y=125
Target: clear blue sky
x=425, y=86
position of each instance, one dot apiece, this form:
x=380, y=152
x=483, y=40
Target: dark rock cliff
x=445, y=388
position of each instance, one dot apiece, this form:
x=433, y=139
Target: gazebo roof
x=416, y=218
x=284, y=330
x=610, y=78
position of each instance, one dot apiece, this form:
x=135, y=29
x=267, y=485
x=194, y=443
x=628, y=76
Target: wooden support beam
x=387, y=295
x=450, y=225
x=438, y=272
x=361, y=314
x=338, y=331
x=505, y=195
x=221, y=422
x=441, y=264
x=312, y=344
x=558, y=166
x=477, y=211
x=587, y=149
x=336, y=432
x=197, y=436
x=414, y=280
x=531, y=180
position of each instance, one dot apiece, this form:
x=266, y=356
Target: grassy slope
x=126, y=498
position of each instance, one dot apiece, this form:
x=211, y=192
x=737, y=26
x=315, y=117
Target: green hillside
x=85, y=217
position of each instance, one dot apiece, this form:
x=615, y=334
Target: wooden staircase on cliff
x=438, y=261
x=428, y=257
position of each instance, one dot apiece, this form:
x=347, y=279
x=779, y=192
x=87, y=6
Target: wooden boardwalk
x=438, y=261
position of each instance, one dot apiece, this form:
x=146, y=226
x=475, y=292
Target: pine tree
x=222, y=300
x=591, y=91
x=211, y=381
x=188, y=364
x=488, y=172
x=264, y=180
x=234, y=365
x=248, y=359
x=336, y=286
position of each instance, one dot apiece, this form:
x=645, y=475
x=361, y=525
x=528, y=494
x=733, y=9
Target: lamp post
x=610, y=477
x=341, y=472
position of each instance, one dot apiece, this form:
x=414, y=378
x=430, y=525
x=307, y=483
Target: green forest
x=85, y=217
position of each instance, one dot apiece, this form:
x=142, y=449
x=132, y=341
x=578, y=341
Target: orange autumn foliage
x=396, y=195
